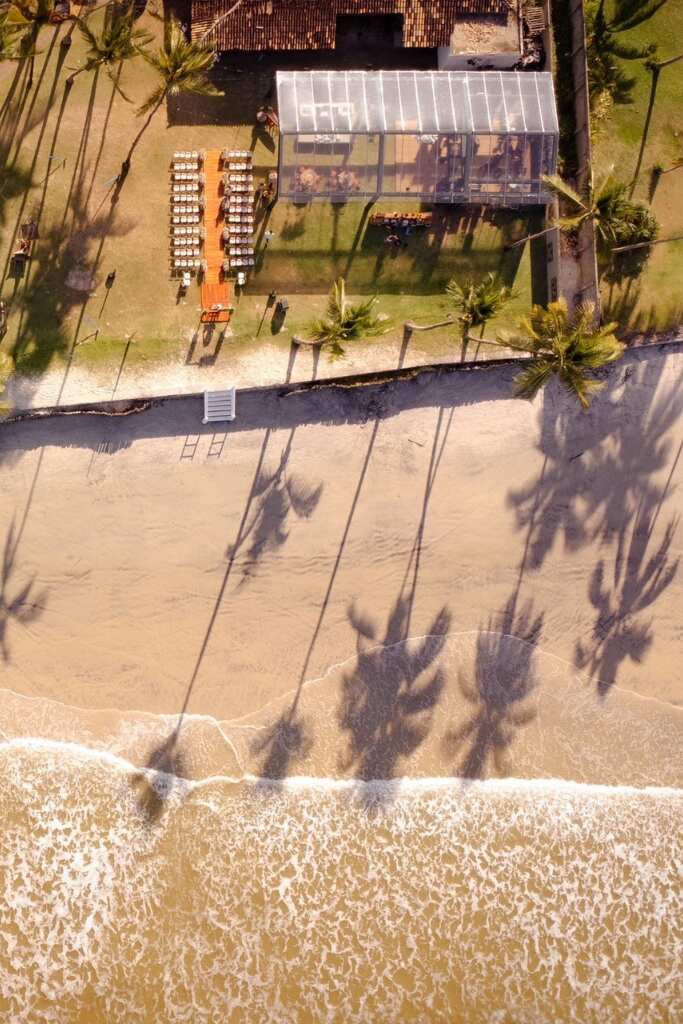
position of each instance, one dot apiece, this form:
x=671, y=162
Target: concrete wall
x=588, y=289
x=449, y=61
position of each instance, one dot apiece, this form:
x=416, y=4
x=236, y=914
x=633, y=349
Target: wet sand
x=154, y=564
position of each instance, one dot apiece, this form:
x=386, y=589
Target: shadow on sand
x=602, y=483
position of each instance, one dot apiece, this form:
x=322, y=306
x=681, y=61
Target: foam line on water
x=311, y=782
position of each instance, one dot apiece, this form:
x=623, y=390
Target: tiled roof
x=311, y=24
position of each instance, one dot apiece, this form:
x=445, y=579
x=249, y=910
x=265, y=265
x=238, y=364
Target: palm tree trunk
x=642, y=245
x=214, y=25
x=665, y=63
x=465, y=339
x=144, y=128
x=529, y=238
x=428, y=327
x=655, y=68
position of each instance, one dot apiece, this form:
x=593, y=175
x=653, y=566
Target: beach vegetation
x=477, y=303
x=345, y=321
x=618, y=219
x=117, y=40
x=10, y=38
x=182, y=65
x=30, y=16
x=566, y=346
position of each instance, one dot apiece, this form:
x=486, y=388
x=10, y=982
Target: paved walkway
x=215, y=289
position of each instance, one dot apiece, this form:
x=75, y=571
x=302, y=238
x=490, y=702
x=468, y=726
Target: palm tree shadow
x=287, y=739
x=388, y=697
x=503, y=681
x=639, y=577
x=24, y=606
x=598, y=467
x=277, y=495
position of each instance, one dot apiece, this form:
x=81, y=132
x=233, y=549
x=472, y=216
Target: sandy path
x=138, y=561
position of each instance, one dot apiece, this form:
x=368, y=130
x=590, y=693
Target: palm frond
x=529, y=382
x=563, y=190
x=575, y=381
x=345, y=321
x=155, y=98
x=182, y=65
x=566, y=346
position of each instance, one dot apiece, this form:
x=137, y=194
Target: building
x=435, y=136
x=312, y=24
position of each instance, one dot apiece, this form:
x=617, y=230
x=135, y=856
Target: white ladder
x=219, y=405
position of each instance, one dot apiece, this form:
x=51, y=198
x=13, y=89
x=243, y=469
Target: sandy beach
x=367, y=708
x=153, y=564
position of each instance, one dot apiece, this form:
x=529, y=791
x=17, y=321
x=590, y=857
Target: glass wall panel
x=330, y=165
x=489, y=156
x=450, y=166
x=410, y=164
x=533, y=119
x=496, y=104
x=519, y=159
x=288, y=163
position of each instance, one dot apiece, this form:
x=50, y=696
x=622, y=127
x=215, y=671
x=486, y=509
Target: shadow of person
x=153, y=785
x=388, y=697
x=503, y=680
x=638, y=579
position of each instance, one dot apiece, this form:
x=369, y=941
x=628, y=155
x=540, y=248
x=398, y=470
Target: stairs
x=219, y=405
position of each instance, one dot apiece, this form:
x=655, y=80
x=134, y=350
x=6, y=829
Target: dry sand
x=150, y=560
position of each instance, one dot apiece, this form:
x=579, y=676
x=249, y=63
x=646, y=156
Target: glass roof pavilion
x=437, y=136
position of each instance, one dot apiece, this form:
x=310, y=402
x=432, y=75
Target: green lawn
x=654, y=299
x=60, y=152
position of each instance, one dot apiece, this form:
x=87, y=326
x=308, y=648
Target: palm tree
x=478, y=303
x=118, y=40
x=182, y=66
x=565, y=346
x=344, y=321
x=605, y=74
x=30, y=16
x=617, y=219
x=10, y=36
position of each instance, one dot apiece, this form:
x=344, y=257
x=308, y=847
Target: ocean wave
x=528, y=900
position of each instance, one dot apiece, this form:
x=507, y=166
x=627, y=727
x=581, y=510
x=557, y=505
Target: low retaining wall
x=128, y=407
x=589, y=289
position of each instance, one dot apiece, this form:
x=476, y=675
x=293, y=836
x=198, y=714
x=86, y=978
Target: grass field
x=653, y=300
x=61, y=151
